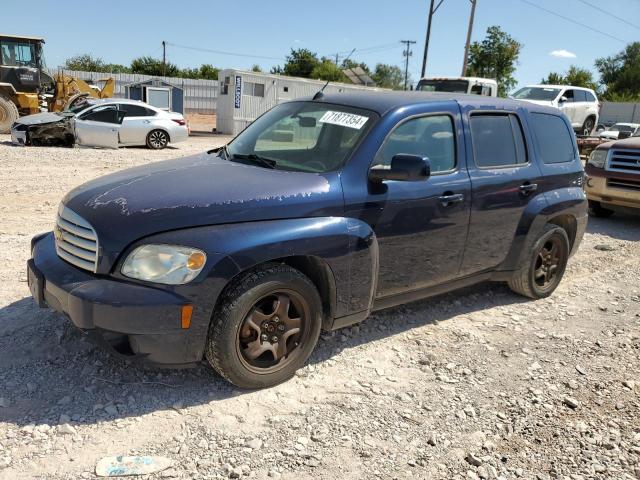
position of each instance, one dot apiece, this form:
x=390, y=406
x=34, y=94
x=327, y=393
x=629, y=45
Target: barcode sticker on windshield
x=349, y=120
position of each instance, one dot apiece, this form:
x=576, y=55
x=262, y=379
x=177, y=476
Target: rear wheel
x=265, y=328
x=597, y=210
x=544, y=267
x=8, y=114
x=157, y=139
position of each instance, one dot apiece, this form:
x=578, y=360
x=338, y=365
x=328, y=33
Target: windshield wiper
x=265, y=162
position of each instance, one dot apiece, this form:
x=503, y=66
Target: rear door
x=136, y=123
x=581, y=107
x=504, y=179
x=98, y=127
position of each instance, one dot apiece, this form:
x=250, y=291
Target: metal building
x=162, y=95
x=244, y=96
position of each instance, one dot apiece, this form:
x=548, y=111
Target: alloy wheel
x=158, y=139
x=548, y=263
x=273, y=331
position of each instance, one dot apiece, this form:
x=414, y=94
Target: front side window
x=431, y=137
x=303, y=136
x=568, y=94
x=103, y=113
x=18, y=54
x=498, y=140
x=555, y=142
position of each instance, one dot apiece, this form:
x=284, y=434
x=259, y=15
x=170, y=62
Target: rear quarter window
x=554, y=140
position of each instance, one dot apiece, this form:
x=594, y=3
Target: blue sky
x=119, y=31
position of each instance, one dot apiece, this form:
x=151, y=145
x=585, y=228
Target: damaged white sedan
x=108, y=123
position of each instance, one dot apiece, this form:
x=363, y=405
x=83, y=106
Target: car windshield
x=537, y=93
x=449, y=86
x=302, y=136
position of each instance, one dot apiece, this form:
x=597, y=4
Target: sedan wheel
x=157, y=139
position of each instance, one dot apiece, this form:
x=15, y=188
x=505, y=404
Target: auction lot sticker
x=349, y=120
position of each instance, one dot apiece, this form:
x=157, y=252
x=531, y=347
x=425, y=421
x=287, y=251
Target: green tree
x=88, y=63
x=327, y=70
x=620, y=74
x=575, y=76
x=554, y=79
x=495, y=57
x=388, y=76
x=256, y=68
x=277, y=70
x=300, y=63
x=153, y=66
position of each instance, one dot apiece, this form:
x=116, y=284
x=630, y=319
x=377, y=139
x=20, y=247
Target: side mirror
x=563, y=99
x=403, y=168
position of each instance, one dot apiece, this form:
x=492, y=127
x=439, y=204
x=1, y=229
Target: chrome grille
x=627, y=161
x=76, y=240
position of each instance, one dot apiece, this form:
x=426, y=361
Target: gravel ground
x=475, y=384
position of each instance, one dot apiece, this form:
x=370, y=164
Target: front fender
x=347, y=246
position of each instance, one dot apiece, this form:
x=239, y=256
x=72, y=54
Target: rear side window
x=580, y=95
x=590, y=97
x=497, y=140
x=555, y=143
x=136, y=110
x=431, y=136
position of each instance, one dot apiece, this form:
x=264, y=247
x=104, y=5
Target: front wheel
x=157, y=139
x=8, y=114
x=544, y=267
x=587, y=128
x=265, y=328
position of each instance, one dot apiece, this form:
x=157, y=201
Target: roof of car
x=382, y=102
x=633, y=125
x=560, y=87
x=98, y=101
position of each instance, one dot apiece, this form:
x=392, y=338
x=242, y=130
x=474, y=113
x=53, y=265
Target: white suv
x=579, y=104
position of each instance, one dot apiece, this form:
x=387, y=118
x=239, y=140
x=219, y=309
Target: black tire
x=8, y=114
x=232, y=339
x=526, y=280
x=597, y=210
x=588, y=126
x=157, y=139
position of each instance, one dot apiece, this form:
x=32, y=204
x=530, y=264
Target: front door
x=569, y=106
x=99, y=127
x=421, y=227
x=503, y=182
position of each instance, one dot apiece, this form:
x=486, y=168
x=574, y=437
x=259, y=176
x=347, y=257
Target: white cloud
x=562, y=54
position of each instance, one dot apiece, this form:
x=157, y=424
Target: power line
x=571, y=20
x=220, y=52
x=602, y=10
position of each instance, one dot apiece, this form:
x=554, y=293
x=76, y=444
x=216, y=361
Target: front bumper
x=18, y=137
x=136, y=321
x=598, y=189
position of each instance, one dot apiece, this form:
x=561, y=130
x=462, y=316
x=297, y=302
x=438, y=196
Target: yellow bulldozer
x=26, y=87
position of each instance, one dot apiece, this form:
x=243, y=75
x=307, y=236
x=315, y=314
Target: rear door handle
x=449, y=199
x=528, y=188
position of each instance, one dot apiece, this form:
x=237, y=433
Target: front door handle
x=527, y=188
x=449, y=199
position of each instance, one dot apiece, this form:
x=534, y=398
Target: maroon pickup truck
x=613, y=176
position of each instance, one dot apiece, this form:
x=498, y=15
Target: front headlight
x=598, y=158
x=169, y=264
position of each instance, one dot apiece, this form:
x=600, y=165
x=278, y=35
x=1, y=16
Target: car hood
x=197, y=191
x=631, y=143
x=545, y=103
x=39, y=118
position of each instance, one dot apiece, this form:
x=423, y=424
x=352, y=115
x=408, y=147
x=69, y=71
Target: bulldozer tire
x=8, y=114
x=74, y=99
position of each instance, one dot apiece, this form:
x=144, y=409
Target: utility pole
x=432, y=10
x=465, y=62
x=407, y=53
x=164, y=58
